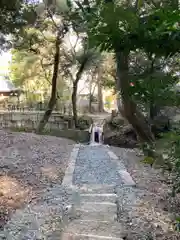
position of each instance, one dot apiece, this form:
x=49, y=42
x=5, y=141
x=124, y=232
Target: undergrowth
x=165, y=154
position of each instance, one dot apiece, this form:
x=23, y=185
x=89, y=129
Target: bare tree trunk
x=100, y=100
x=52, y=100
x=74, y=103
x=92, y=88
x=90, y=96
x=100, y=97
x=130, y=111
x=74, y=93
x=90, y=102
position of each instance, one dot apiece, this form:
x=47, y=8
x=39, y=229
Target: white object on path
x=98, y=129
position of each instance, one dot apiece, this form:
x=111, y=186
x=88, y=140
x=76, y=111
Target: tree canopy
x=14, y=15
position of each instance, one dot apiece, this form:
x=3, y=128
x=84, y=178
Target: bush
x=166, y=155
x=171, y=152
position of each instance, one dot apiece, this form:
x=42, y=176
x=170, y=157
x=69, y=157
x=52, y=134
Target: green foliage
x=14, y=15
x=159, y=32
x=148, y=160
x=155, y=88
x=177, y=224
x=32, y=64
x=114, y=26
x=117, y=27
x=165, y=154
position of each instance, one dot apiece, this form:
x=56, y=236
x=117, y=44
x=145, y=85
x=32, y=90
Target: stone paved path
x=96, y=175
x=94, y=166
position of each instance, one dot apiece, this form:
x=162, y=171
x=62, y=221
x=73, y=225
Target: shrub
x=166, y=155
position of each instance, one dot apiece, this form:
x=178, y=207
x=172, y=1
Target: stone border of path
x=68, y=177
x=126, y=177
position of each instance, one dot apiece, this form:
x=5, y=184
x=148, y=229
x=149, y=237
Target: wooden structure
x=8, y=89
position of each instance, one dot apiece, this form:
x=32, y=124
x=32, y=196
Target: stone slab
x=70, y=169
x=105, y=207
x=67, y=236
x=98, y=228
x=96, y=197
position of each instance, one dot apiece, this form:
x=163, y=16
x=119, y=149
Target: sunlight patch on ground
x=11, y=188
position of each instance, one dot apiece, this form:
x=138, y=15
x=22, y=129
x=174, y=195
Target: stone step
x=98, y=228
x=99, y=216
x=96, y=188
x=101, y=207
x=67, y=236
x=98, y=197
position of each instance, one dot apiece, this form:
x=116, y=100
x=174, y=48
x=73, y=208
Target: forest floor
x=156, y=211
x=29, y=164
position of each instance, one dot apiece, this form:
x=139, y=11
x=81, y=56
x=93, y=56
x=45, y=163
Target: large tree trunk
x=74, y=103
x=131, y=113
x=52, y=100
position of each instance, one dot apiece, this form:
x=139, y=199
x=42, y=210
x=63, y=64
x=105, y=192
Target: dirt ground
x=153, y=217
x=29, y=164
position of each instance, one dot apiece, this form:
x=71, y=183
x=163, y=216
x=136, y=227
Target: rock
x=117, y=122
x=125, y=137
x=84, y=122
x=117, y=132
x=114, y=123
x=121, y=141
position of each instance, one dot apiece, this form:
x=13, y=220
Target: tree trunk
x=74, y=103
x=74, y=93
x=90, y=96
x=52, y=100
x=90, y=102
x=100, y=97
x=131, y=113
x=118, y=101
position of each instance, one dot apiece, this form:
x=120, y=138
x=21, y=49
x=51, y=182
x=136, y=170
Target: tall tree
x=61, y=28
x=77, y=62
x=49, y=18
x=125, y=27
